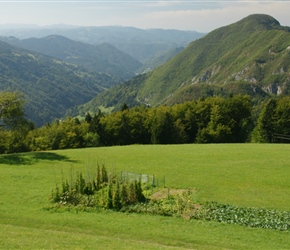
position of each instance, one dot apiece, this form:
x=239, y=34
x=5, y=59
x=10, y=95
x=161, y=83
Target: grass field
x=251, y=175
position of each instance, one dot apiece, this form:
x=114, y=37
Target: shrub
x=101, y=190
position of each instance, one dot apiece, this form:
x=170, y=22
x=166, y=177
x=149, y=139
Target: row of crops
x=252, y=217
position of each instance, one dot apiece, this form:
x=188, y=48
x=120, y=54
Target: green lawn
x=252, y=175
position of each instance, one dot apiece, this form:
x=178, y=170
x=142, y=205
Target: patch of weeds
x=251, y=217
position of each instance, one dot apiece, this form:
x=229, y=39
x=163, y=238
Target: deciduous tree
x=11, y=109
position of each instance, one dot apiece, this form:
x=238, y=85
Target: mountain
x=141, y=44
x=50, y=86
x=159, y=59
x=99, y=58
x=251, y=56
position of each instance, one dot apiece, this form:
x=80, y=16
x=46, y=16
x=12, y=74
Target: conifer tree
x=117, y=197
x=109, y=204
x=139, y=194
x=98, y=179
x=88, y=118
x=104, y=175
x=124, y=195
x=132, y=193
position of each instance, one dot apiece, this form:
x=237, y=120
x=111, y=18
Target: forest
x=208, y=120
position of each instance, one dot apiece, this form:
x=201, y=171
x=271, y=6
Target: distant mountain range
x=81, y=72
x=57, y=73
x=50, y=85
x=103, y=57
x=251, y=56
x=140, y=44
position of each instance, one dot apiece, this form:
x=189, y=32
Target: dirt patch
x=165, y=192
x=190, y=207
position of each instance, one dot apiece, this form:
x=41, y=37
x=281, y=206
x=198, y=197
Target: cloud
x=207, y=18
x=203, y=16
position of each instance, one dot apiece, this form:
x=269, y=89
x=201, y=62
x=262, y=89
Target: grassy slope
x=247, y=175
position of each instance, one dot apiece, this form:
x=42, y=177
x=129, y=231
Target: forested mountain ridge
x=251, y=56
x=103, y=57
x=50, y=85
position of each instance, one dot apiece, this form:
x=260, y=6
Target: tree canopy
x=211, y=120
x=13, y=124
x=11, y=109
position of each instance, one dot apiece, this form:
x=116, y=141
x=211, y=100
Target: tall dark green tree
x=117, y=197
x=239, y=113
x=88, y=117
x=124, y=107
x=109, y=204
x=162, y=126
x=282, y=118
x=124, y=194
x=266, y=124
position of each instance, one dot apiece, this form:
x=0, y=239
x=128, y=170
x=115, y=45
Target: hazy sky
x=203, y=16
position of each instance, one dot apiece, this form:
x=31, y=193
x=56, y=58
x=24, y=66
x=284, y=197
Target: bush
x=102, y=190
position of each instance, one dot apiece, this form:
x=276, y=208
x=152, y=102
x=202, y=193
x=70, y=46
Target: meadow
x=249, y=175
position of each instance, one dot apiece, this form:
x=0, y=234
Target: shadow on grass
x=31, y=158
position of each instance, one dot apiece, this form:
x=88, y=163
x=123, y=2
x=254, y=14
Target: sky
x=201, y=16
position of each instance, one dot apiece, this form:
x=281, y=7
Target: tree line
x=209, y=120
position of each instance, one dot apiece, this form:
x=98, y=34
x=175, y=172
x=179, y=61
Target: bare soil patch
x=165, y=192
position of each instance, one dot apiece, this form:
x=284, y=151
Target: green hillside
x=103, y=57
x=159, y=59
x=250, y=175
x=50, y=85
x=251, y=57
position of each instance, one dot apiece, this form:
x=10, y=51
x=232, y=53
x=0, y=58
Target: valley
x=95, y=64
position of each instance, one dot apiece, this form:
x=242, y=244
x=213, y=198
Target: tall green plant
x=102, y=189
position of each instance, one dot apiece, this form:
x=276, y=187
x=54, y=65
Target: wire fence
x=281, y=138
x=149, y=180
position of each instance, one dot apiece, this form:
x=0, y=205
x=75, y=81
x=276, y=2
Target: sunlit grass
x=252, y=175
